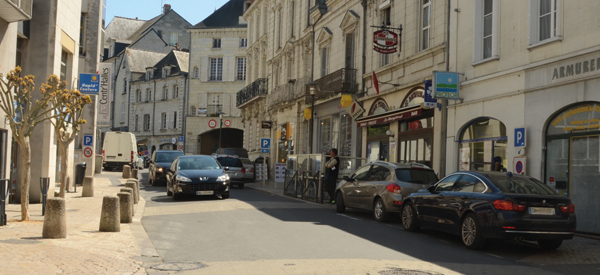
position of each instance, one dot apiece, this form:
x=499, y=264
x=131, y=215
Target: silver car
x=236, y=170
x=248, y=169
x=381, y=186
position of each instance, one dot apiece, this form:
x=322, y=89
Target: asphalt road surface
x=255, y=232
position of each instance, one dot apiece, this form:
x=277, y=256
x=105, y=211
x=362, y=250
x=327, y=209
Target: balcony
x=287, y=93
x=342, y=81
x=15, y=10
x=257, y=89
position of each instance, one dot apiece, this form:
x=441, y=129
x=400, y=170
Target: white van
x=118, y=149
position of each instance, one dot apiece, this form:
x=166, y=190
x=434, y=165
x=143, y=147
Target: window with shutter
x=350, y=51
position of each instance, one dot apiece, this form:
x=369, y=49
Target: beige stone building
x=217, y=71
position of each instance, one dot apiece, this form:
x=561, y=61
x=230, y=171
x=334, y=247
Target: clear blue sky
x=194, y=11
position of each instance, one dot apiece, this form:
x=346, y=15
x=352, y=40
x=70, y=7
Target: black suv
x=159, y=162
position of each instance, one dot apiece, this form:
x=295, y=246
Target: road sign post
x=265, y=145
x=520, y=138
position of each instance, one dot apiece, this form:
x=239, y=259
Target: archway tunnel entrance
x=208, y=142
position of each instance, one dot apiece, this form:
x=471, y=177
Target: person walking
x=331, y=173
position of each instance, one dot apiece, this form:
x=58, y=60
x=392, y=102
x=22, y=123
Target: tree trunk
x=63, y=149
x=25, y=178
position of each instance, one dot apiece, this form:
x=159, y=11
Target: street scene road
x=257, y=232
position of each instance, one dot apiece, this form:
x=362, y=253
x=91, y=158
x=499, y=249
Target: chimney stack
x=166, y=8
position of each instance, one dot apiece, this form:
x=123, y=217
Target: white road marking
x=349, y=217
x=495, y=255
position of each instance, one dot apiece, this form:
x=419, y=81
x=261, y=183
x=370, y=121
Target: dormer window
x=166, y=71
x=149, y=73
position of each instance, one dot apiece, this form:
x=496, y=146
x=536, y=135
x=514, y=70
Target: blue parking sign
x=88, y=140
x=520, y=137
x=265, y=143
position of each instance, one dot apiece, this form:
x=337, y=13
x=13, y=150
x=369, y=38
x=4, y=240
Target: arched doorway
x=573, y=160
x=208, y=142
x=483, y=142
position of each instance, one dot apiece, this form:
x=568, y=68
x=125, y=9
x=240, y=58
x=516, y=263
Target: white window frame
x=138, y=95
x=196, y=72
x=324, y=60
x=163, y=121
x=216, y=69
x=175, y=91
x=165, y=94
x=479, y=29
x=240, y=69
x=534, y=22
x=216, y=43
x=146, y=122
x=148, y=94
x=173, y=39
x=425, y=39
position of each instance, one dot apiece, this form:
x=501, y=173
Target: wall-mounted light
x=389, y=133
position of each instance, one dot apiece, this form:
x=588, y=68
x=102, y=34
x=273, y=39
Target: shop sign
x=266, y=124
x=390, y=118
x=410, y=99
x=89, y=84
x=104, y=95
x=385, y=41
x=430, y=102
x=577, y=119
x=356, y=110
x=445, y=85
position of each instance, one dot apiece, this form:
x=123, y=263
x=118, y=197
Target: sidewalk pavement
x=86, y=250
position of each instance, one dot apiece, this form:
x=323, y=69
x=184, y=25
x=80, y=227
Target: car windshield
x=521, y=185
x=421, y=176
x=246, y=161
x=168, y=156
x=231, y=162
x=200, y=163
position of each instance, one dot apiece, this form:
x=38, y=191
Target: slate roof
x=183, y=59
x=148, y=25
x=121, y=28
x=178, y=59
x=227, y=16
x=139, y=60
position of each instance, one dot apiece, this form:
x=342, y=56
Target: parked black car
x=197, y=175
x=492, y=205
x=159, y=161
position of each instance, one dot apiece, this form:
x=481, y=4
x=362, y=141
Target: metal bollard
x=3, y=195
x=44, y=186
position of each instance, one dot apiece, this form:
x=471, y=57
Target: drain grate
x=178, y=266
x=401, y=271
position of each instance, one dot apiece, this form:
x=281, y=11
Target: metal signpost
x=44, y=186
x=265, y=145
x=3, y=196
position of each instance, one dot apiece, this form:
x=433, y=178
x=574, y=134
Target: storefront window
x=345, y=135
x=325, y=131
x=483, y=146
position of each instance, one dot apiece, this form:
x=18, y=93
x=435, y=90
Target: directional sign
x=265, y=143
x=264, y=150
x=88, y=140
x=87, y=152
x=520, y=137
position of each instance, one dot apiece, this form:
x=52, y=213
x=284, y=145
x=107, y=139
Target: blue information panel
x=89, y=84
x=445, y=85
x=265, y=150
x=88, y=140
x=265, y=143
x=430, y=102
x=520, y=137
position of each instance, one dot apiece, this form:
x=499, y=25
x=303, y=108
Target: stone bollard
x=136, y=189
x=134, y=174
x=55, y=220
x=126, y=171
x=130, y=191
x=88, y=187
x=125, y=203
x=110, y=218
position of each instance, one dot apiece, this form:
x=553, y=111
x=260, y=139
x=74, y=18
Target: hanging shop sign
x=445, y=85
x=267, y=124
x=356, y=110
x=385, y=40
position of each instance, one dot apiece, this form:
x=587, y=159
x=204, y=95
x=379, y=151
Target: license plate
x=205, y=192
x=541, y=211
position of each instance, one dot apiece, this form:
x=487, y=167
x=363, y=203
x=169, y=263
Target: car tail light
x=568, y=209
x=508, y=205
x=394, y=188
x=103, y=155
x=251, y=170
x=131, y=156
x=244, y=170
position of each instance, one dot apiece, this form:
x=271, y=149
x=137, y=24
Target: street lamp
x=220, y=126
x=313, y=88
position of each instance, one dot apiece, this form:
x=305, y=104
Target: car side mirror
x=226, y=168
x=431, y=189
x=348, y=179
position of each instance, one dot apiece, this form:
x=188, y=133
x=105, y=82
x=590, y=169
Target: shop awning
x=387, y=117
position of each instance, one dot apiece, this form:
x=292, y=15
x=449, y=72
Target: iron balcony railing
x=287, y=93
x=257, y=88
x=342, y=81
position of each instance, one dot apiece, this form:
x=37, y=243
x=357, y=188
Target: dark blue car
x=492, y=205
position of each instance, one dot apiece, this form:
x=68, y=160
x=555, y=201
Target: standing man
x=331, y=174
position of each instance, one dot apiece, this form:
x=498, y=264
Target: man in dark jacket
x=332, y=170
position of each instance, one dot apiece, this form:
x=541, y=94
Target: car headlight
x=223, y=178
x=160, y=169
x=183, y=179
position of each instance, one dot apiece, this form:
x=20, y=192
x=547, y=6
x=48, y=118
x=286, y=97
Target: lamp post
x=312, y=87
x=220, y=126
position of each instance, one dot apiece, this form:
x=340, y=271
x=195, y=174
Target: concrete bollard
x=130, y=191
x=136, y=189
x=125, y=203
x=126, y=171
x=88, y=187
x=134, y=173
x=55, y=220
x=110, y=218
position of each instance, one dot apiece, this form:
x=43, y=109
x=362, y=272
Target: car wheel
x=241, y=186
x=225, y=196
x=470, y=233
x=379, y=211
x=339, y=203
x=550, y=244
x=409, y=218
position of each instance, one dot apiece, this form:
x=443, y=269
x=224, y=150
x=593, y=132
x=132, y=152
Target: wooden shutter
x=179, y=119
